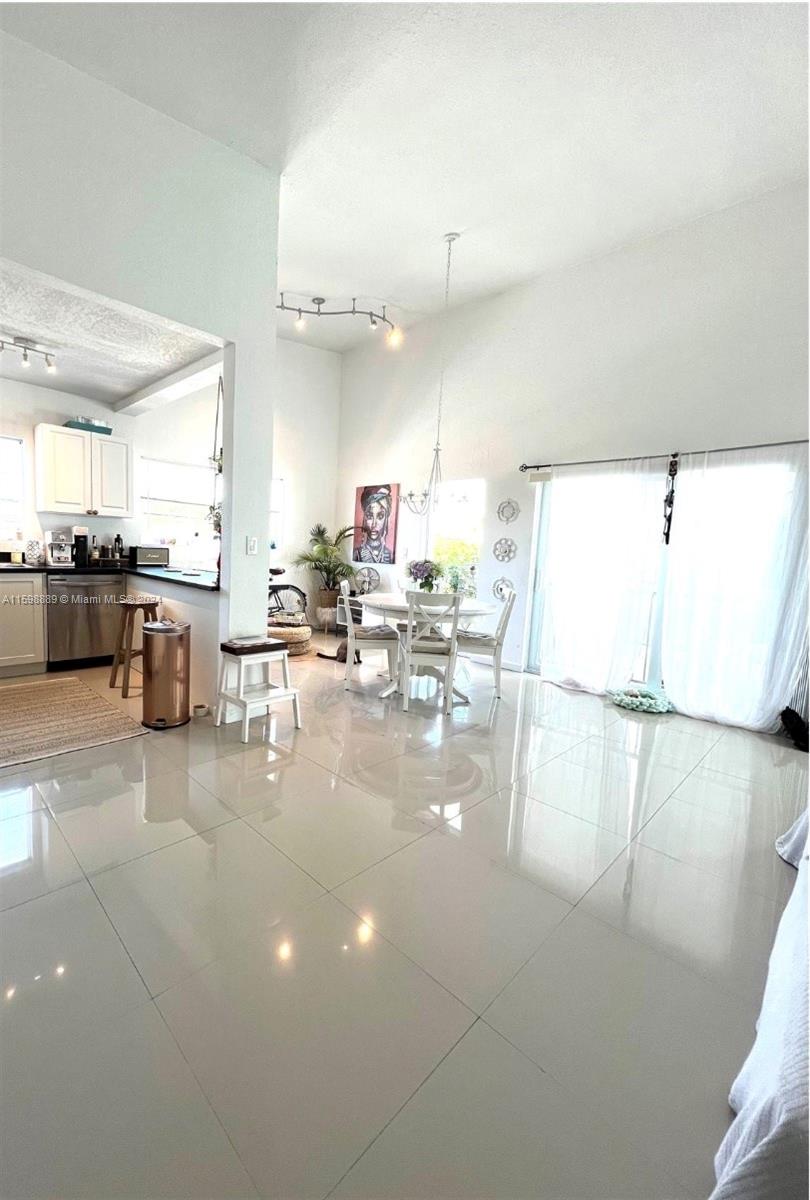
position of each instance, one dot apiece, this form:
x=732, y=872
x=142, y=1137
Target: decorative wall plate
x=501, y=586
x=367, y=580
x=505, y=549
x=508, y=511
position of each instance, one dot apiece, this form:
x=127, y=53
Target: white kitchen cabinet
x=111, y=476
x=63, y=460
x=82, y=473
x=22, y=619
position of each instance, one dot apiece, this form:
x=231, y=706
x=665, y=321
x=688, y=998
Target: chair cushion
x=472, y=640
x=375, y=633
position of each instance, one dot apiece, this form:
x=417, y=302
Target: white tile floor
x=514, y=954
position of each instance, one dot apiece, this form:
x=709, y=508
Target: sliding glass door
x=735, y=611
x=731, y=619
x=597, y=569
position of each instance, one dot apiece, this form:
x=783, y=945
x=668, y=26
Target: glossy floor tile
x=34, y=858
x=731, y=844
x=334, y=830
x=488, y=1123
x=716, y=926
x=610, y=788
x=18, y=795
x=437, y=782
x=467, y=921
x=668, y=743
x=259, y=776
x=517, y=952
x=652, y=1046
x=110, y=1108
x=181, y=907
x=309, y=1042
x=558, y=852
x=759, y=757
x=60, y=959
x=70, y=774
x=111, y=824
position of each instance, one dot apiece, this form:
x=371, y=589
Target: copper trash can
x=166, y=673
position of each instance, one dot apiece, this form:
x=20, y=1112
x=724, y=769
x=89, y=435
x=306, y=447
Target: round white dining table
x=393, y=606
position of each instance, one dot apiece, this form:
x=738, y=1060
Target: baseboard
x=486, y=661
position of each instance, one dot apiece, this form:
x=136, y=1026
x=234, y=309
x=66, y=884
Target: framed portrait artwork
x=376, y=507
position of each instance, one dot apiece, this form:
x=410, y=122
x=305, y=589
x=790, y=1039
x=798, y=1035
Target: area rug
x=53, y=716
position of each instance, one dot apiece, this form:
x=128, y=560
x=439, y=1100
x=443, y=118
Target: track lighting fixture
x=394, y=336
x=27, y=347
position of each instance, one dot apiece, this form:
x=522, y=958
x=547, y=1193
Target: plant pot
x=326, y=608
x=426, y=585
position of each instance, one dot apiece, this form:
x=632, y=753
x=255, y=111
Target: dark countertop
x=206, y=580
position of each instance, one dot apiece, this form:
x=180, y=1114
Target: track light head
x=394, y=337
x=26, y=362
x=300, y=321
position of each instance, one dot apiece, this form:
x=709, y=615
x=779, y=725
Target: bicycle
x=284, y=597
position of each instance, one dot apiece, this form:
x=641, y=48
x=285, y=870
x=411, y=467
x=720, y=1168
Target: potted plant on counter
x=326, y=558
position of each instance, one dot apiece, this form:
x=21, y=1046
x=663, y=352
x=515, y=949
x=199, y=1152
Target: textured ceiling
x=101, y=351
x=546, y=133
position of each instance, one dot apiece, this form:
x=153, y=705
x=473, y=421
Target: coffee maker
x=58, y=548
x=80, y=541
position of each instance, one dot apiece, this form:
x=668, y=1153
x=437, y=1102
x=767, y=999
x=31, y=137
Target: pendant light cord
x=450, y=237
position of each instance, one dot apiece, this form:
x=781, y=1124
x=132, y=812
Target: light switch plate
x=252, y=545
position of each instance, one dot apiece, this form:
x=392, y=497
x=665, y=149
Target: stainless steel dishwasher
x=83, y=616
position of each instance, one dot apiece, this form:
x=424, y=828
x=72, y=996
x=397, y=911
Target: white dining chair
x=371, y=637
x=429, y=638
x=490, y=645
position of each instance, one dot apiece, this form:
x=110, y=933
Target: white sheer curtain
x=735, y=612
x=598, y=559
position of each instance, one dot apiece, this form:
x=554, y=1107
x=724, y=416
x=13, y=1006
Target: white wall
x=110, y=196
x=693, y=339
x=306, y=418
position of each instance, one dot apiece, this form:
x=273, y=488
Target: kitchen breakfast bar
x=48, y=612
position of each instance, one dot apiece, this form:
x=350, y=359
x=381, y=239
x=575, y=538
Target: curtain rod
x=596, y=462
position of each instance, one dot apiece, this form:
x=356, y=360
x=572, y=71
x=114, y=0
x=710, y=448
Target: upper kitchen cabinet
x=82, y=473
x=111, y=475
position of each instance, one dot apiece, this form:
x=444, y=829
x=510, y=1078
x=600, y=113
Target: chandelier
x=420, y=503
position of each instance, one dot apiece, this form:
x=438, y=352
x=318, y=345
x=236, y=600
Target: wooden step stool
x=246, y=696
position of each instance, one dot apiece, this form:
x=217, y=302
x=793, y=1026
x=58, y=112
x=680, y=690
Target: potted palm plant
x=326, y=558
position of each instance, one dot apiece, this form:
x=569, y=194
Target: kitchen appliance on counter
x=83, y=614
x=58, y=548
x=80, y=545
x=149, y=556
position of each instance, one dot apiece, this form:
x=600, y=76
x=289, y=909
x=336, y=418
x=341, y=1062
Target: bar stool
x=130, y=605
x=246, y=696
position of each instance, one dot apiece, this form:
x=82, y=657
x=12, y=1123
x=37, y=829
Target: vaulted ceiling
x=545, y=133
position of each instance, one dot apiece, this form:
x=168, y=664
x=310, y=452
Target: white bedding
x=764, y=1154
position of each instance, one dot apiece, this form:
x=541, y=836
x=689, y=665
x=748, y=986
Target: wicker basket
x=297, y=637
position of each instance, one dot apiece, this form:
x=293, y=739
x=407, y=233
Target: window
x=11, y=487
x=176, y=498
x=458, y=530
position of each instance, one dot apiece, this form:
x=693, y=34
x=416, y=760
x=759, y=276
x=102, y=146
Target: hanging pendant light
x=420, y=503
